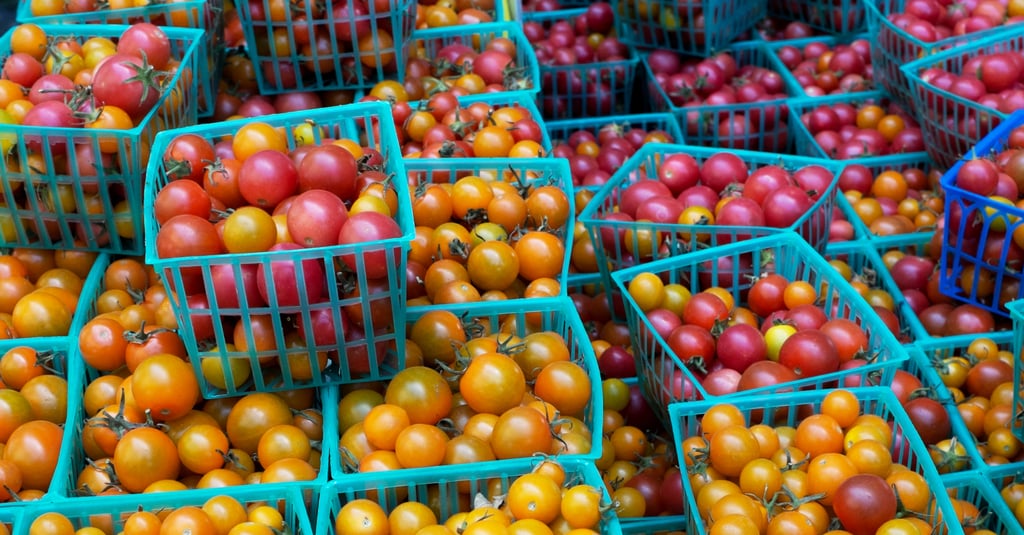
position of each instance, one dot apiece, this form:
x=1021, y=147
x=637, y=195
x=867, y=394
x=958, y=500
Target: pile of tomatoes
x=34, y=404
x=40, y=291
x=892, y=201
x=478, y=61
x=791, y=470
x=822, y=68
x=552, y=497
x=861, y=129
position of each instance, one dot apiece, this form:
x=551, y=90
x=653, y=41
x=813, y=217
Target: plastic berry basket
x=979, y=214
x=895, y=47
x=206, y=15
x=792, y=85
x=765, y=121
x=952, y=124
x=523, y=77
x=673, y=24
x=1017, y=313
x=352, y=54
x=900, y=163
x=65, y=365
x=675, y=239
x=841, y=17
x=364, y=351
x=806, y=145
x=867, y=265
x=559, y=95
x=560, y=130
x=10, y=519
x=976, y=488
x=786, y=410
x=734, y=267
x=80, y=316
x=448, y=492
x=1004, y=475
x=524, y=172
x=521, y=316
x=110, y=512
x=113, y=220
x=593, y=286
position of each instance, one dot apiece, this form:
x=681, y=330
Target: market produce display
x=463, y=267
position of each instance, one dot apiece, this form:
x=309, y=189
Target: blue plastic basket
x=1017, y=313
x=978, y=489
x=343, y=289
x=428, y=43
x=206, y=15
x=530, y=172
x=894, y=47
x=813, y=226
x=785, y=410
x=66, y=366
x=792, y=85
x=517, y=316
x=793, y=259
x=766, y=121
x=676, y=25
x=81, y=315
x=338, y=65
x=866, y=264
x=925, y=355
x=952, y=124
x=111, y=511
x=835, y=17
x=980, y=211
x=559, y=97
x=806, y=145
x=113, y=196
x=449, y=492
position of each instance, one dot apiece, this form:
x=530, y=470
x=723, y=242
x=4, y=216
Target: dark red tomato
x=903, y=385
x=616, y=362
x=863, y=503
x=331, y=168
x=986, y=375
x=809, y=354
x=692, y=344
x=315, y=218
x=679, y=172
x=639, y=193
x=705, y=310
x=672, y=497
x=181, y=197
x=723, y=169
x=969, y=319
x=281, y=281
x=638, y=412
x=739, y=346
x=929, y=418
x=368, y=230
x=784, y=206
x=267, y=178
x=187, y=235
x=128, y=82
x=187, y=156
x=148, y=42
x=649, y=486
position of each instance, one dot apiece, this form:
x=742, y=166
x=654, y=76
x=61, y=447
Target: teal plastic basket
x=735, y=266
x=1002, y=476
x=979, y=213
x=81, y=315
x=792, y=84
x=653, y=525
x=835, y=17
x=978, y=489
x=450, y=492
x=193, y=276
x=11, y=518
x=925, y=355
x=559, y=95
x=555, y=314
x=339, y=63
x=867, y=264
x=911, y=244
x=894, y=47
x=112, y=511
x=952, y=124
x=206, y=15
x=25, y=192
x=66, y=366
x=526, y=77
x=676, y=25
x=560, y=130
x=1017, y=313
x=592, y=285
x=843, y=206
x=766, y=121
x=785, y=410
x=806, y=145
x=531, y=172
x=676, y=239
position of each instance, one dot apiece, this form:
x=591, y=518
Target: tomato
x=143, y=456
x=363, y=517
x=249, y=230
x=128, y=82
x=422, y=392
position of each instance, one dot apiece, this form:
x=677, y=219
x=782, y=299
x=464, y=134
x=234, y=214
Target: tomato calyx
x=787, y=500
x=947, y=455
x=107, y=468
